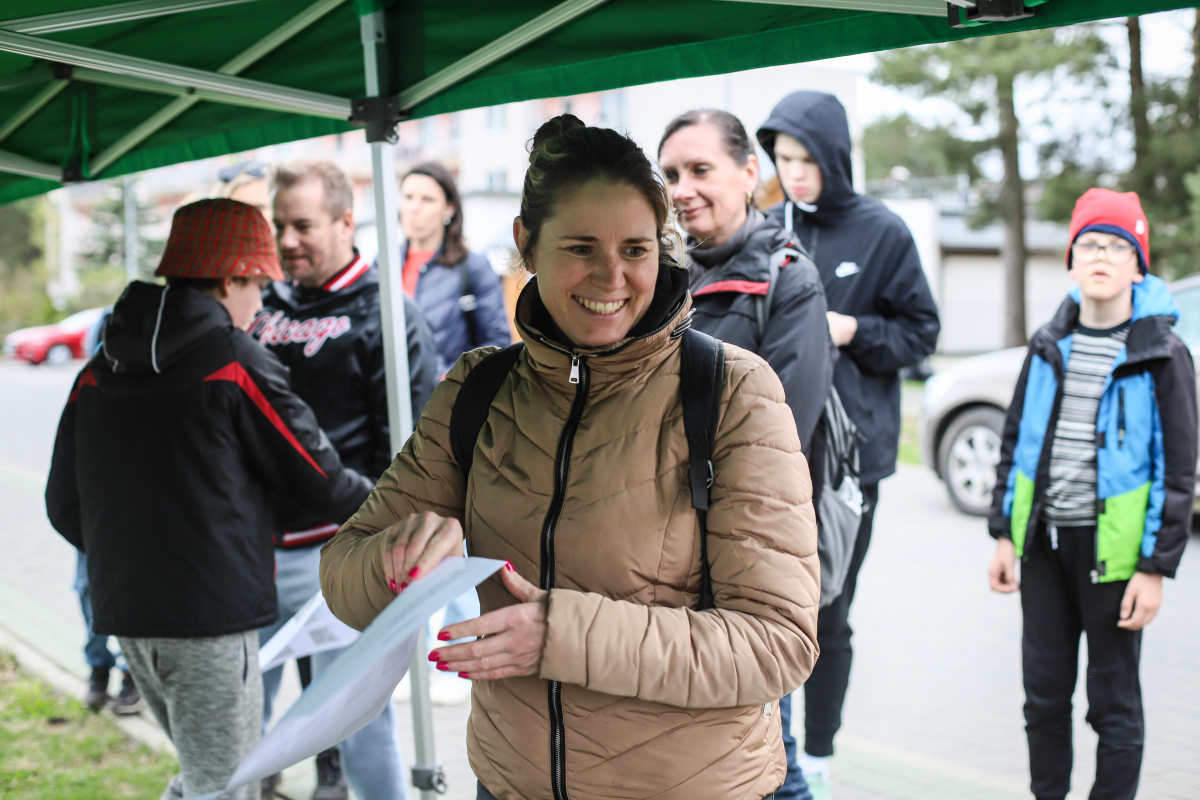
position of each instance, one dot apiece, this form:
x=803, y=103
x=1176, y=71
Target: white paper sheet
x=359, y=684
x=313, y=629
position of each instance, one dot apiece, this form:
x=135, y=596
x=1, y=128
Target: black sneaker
x=331, y=784
x=130, y=700
x=97, y=693
x=268, y=785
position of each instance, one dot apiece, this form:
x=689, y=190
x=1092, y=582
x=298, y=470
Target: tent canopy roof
x=99, y=89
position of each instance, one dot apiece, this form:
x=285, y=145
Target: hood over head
x=818, y=121
x=153, y=326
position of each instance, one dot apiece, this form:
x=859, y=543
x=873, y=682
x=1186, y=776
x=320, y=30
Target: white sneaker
x=403, y=692
x=449, y=690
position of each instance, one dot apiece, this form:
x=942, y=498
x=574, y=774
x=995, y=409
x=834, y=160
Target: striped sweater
x=1071, y=492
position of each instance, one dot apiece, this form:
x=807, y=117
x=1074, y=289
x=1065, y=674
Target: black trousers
x=825, y=691
x=1059, y=602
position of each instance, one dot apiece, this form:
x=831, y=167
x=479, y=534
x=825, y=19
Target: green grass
x=910, y=448
x=52, y=747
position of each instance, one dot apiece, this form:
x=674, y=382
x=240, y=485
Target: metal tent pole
x=426, y=773
x=131, y=228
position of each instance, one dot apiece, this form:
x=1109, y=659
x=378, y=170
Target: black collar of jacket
x=301, y=298
x=1147, y=340
x=752, y=262
x=669, y=294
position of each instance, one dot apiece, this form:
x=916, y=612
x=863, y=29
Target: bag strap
x=702, y=379
x=468, y=302
x=474, y=402
x=762, y=307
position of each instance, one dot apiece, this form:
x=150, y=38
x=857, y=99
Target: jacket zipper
x=580, y=376
x=1120, y=416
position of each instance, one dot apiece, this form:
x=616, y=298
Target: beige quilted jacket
x=639, y=695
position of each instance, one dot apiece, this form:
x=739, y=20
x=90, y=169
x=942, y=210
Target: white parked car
x=962, y=417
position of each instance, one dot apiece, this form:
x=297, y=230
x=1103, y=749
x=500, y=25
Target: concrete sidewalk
x=934, y=708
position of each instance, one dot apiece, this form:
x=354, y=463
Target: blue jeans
x=794, y=786
x=95, y=648
x=370, y=758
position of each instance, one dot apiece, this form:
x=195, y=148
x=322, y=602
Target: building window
x=495, y=118
x=612, y=110
x=496, y=180
x=428, y=132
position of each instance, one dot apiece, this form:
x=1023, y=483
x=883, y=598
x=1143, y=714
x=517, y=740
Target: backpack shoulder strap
x=786, y=254
x=702, y=379
x=474, y=401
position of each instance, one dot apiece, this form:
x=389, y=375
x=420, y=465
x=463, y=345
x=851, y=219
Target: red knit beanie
x=1118, y=213
x=217, y=239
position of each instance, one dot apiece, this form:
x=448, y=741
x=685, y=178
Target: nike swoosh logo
x=846, y=269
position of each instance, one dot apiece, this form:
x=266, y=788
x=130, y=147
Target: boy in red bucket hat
x=1094, y=493
x=173, y=440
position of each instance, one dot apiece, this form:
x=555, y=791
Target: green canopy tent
x=92, y=89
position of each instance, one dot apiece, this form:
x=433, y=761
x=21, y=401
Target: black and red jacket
x=331, y=340
x=174, y=439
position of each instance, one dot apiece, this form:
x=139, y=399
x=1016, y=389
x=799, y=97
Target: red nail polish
x=463, y=675
x=443, y=666
x=413, y=572
x=444, y=636
x=392, y=585
x=434, y=656
x=403, y=586
x=508, y=566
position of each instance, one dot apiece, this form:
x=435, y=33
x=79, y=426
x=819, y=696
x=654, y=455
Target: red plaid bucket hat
x=220, y=238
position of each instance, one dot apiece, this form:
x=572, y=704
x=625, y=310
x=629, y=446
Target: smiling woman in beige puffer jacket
x=604, y=682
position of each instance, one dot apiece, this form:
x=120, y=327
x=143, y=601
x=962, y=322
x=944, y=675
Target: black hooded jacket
x=726, y=282
x=331, y=338
x=174, y=438
x=870, y=269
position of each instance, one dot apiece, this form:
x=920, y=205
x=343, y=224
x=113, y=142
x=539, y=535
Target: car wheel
x=58, y=355
x=968, y=455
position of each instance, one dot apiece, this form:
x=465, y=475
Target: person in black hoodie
x=173, y=441
x=882, y=317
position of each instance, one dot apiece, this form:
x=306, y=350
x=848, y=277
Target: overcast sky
x=1166, y=50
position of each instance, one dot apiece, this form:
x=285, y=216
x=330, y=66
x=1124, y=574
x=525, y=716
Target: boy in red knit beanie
x=1094, y=493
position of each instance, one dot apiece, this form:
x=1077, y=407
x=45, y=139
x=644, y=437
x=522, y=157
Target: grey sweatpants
x=206, y=694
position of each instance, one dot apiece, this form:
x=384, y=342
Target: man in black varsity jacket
x=324, y=324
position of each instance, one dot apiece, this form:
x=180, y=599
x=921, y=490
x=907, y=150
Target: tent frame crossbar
x=34, y=105
x=924, y=8
x=22, y=165
x=235, y=65
x=107, y=15
x=298, y=100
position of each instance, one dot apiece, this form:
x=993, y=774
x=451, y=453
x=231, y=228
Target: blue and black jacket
x=1145, y=440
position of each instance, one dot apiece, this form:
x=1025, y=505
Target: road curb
x=139, y=727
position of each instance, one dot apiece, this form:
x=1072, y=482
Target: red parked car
x=54, y=344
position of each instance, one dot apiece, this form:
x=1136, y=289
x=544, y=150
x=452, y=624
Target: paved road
x=934, y=709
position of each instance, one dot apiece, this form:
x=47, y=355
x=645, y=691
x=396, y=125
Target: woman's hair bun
x=552, y=129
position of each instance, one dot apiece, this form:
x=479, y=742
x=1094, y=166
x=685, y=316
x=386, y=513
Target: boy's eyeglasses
x=1088, y=252
x=255, y=169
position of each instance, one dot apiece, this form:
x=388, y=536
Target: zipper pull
x=1095, y=576
x=574, y=369
x=766, y=711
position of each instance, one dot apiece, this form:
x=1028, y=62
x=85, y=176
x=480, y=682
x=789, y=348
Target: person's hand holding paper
x=516, y=635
